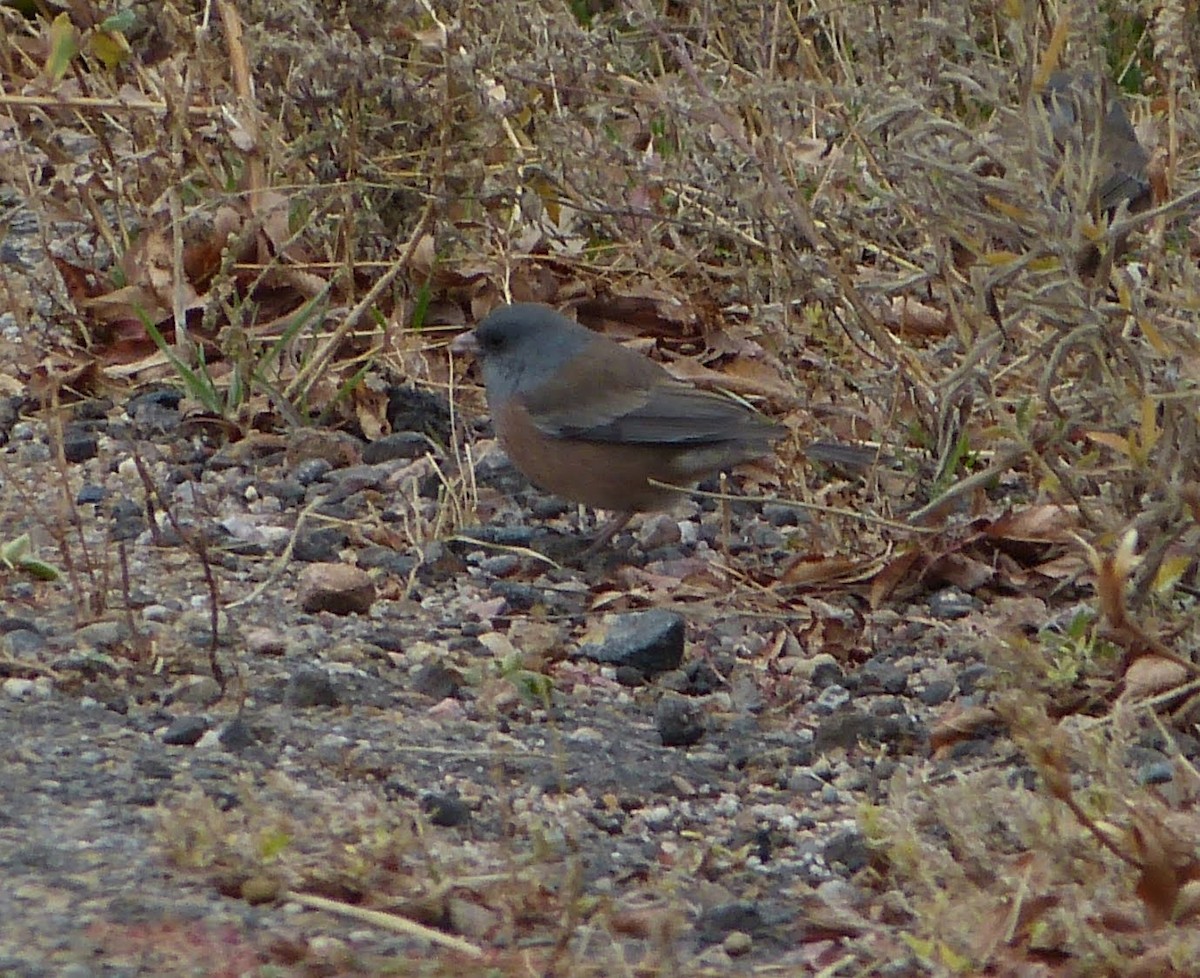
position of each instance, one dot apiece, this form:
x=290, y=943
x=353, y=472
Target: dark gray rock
x=651, y=641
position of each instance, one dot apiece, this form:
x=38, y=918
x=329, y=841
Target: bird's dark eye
x=491, y=341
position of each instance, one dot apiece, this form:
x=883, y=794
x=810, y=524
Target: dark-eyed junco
x=592, y=421
x=1082, y=109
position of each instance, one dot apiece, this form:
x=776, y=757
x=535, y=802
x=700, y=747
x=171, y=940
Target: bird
x=597, y=423
x=1081, y=107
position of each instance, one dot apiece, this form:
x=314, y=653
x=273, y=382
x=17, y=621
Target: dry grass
x=844, y=208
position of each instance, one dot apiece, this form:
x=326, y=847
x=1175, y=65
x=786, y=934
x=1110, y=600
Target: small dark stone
x=398, y=445
x=651, y=641
x=831, y=699
x=386, y=559
x=23, y=642
x=320, y=545
x=153, y=768
x=1188, y=745
x=716, y=923
x=936, y=693
x=155, y=411
x=804, y=783
x=701, y=679
x=437, y=681
x=144, y=796
x=1023, y=777
x=1161, y=772
x=548, y=507
x=970, y=677
x=79, y=445
x=185, y=731
x=311, y=470
x=89, y=665
x=519, y=597
x=414, y=409
x=348, y=482
x=847, y=850
x=878, y=675
x=846, y=729
x=950, y=603
x=95, y=409
x=501, y=565
x=777, y=514
x=827, y=674
x=310, y=687
x=446, y=810
x=117, y=703
x=977, y=748
x=390, y=639
x=289, y=492
x=680, y=721
x=237, y=735
x=89, y=495
x=609, y=822
x=168, y=397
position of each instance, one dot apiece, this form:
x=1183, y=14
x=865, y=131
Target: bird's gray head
x=523, y=345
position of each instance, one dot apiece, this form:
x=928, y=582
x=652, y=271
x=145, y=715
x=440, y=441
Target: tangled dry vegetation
x=843, y=211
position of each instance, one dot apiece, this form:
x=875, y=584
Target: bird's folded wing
x=665, y=413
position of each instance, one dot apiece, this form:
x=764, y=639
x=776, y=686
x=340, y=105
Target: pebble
x=719, y=922
x=21, y=689
x=680, y=721
x=90, y=494
x=310, y=687
x=445, y=810
x=185, y=731
x=398, y=446
x=105, y=635
x=340, y=589
x=79, y=446
x=832, y=698
x=237, y=735
x=970, y=676
x=651, y=641
x=737, y=943
x=936, y=693
x=951, y=603
x=658, y=530
x=22, y=642
x=195, y=690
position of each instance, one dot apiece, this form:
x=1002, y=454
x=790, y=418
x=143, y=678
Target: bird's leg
x=604, y=537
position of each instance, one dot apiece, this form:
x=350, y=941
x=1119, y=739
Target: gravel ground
x=502, y=751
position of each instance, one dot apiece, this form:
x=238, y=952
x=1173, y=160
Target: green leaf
x=64, y=46
x=13, y=552
x=271, y=844
x=123, y=21
x=198, y=383
x=533, y=686
x=40, y=569
x=110, y=47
